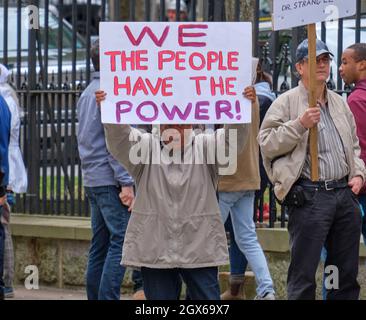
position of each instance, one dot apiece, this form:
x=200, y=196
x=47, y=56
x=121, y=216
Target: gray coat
x=176, y=221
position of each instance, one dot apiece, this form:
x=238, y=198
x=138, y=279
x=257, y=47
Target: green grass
x=63, y=190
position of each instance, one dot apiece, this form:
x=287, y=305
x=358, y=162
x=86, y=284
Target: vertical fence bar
x=131, y=11
x=272, y=207
x=66, y=149
x=59, y=111
x=296, y=38
x=80, y=188
x=37, y=150
x=177, y=10
x=73, y=147
x=218, y=10
x=58, y=151
x=116, y=10
x=274, y=50
x=206, y=10
x=19, y=44
x=162, y=10
x=26, y=147
x=256, y=30
x=88, y=23
x=59, y=47
x=358, y=22
x=103, y=16
x=147, y=10
x=323, y=32
x=5, y=32
x=339, y=51
x=33, y=171
x=193, y=10
x=237, y=10
x=72, y=102
x=52, y=98
x=74, y=39
x=44, y=155
x=46, y=37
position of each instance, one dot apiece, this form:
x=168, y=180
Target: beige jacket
x=283, y=140
x=176, y=221
x=247, y=176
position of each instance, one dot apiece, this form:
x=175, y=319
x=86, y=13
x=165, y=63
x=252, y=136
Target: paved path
x=48, y=293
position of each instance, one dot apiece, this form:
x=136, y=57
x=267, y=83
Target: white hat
x=4, y=74
x=172, y=5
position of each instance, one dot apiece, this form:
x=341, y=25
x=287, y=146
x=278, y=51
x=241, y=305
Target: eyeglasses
x=324, y=59
x=321, y=59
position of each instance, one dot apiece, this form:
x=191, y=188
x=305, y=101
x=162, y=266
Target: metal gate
x=46, y=44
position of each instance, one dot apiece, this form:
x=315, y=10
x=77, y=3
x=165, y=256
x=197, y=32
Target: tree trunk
x=138, y=14
x=246, y=10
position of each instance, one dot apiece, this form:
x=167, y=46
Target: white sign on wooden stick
x=294, y=13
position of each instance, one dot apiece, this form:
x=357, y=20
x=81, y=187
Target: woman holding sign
x=175, y=230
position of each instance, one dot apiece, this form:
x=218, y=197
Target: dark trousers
x=329, y=218
x=165, y=284
x=2, y=242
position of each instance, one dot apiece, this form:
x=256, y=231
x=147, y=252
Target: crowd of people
x=168, y=220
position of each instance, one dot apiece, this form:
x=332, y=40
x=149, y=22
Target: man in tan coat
x=325, y=212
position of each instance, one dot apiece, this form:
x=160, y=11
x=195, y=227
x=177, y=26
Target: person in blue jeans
x=110, y=191
x=5, y=118
x=236, y=198
x=238, y=265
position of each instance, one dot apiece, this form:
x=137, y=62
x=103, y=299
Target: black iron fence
x=50, y=64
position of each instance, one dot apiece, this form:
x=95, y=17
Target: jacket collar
x=361, y=85
x=305, y=93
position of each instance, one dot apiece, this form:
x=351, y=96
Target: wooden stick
x=312, y=101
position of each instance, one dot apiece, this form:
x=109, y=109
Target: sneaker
x=8, y=292
x=139, y=295
x=266, y=296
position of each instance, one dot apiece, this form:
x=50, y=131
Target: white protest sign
x=294, y=13
x=175, y=72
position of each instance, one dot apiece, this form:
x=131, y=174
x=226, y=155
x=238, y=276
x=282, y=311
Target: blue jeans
x=2, y=242
x=238, y=262
x=165, y=284
x=240, y=206
x=109, y=219
x=362, y=200
x=137, y=280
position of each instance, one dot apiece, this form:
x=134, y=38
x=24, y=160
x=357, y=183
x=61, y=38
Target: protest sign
x=294, y=13
x=175, y=72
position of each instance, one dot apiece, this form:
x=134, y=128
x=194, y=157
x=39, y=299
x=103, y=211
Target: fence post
x=33, y=145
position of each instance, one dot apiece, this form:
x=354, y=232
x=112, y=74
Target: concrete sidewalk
x=49, y=293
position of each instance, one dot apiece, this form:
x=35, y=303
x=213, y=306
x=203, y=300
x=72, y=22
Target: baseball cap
x=302, y=49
